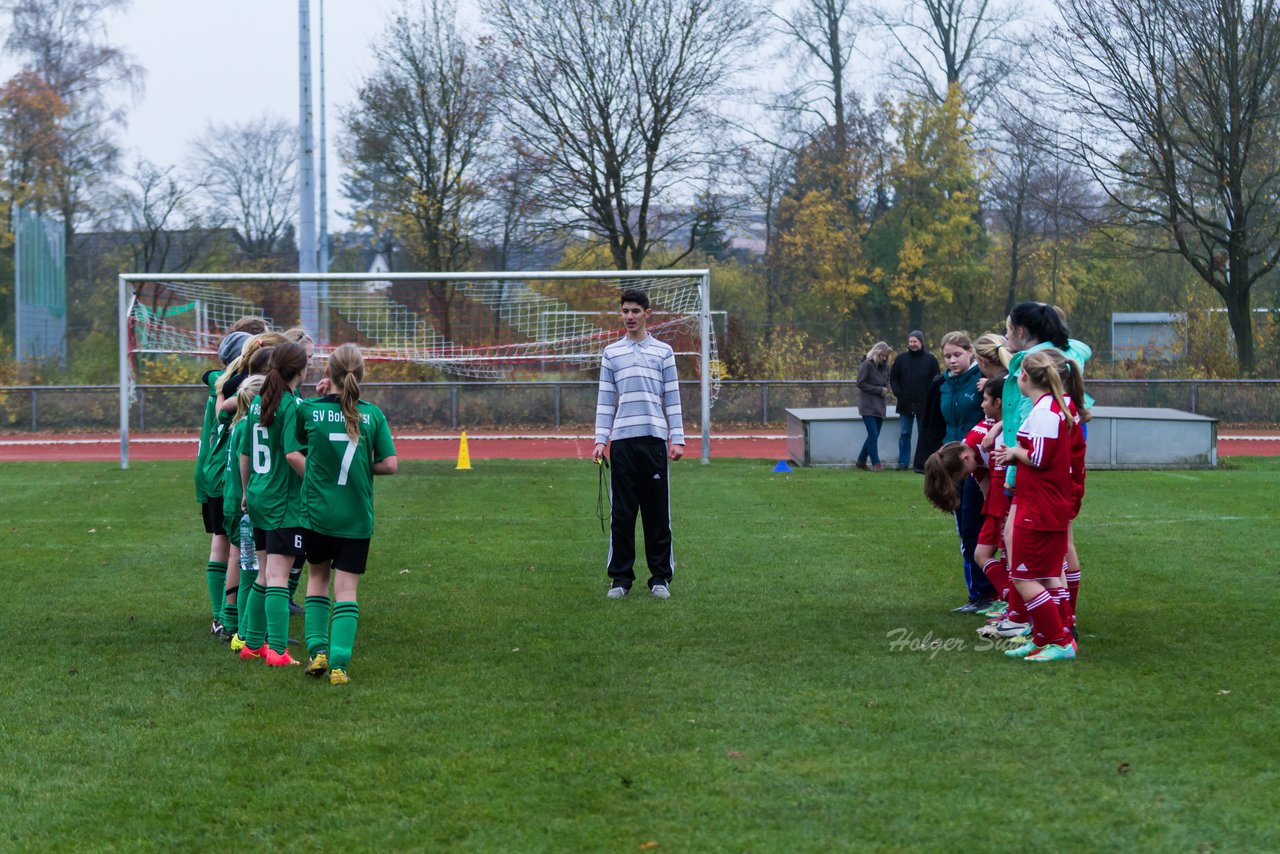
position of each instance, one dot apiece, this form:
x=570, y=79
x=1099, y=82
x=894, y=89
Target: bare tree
x=250, y=173
x=513, y=204
x=1014, y=164
x=824, y=32
x=417, y=128
x=617, y=97
x=1040, y=200
x=63, y=43
x=942, y=43
x=415, y=134
x=769, y=170
x=1178, y=117
x=159, y=207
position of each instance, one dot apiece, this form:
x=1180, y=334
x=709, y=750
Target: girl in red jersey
x=1047, y=501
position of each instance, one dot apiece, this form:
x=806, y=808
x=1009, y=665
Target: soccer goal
x=473, y=326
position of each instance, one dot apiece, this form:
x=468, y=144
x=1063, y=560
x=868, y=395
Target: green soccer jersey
x=206, y=431
x=215, y=463
x=232, y=490
x=337, y=491
x=273, y=490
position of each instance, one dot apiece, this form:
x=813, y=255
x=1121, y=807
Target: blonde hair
x=959, y=339
x=298, y=335
x=880, y=348
x=240, y=364
x=991, y=347
x=1061, y=377
x=346, y=370
x=244, y=396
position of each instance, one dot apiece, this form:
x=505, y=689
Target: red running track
x=409, y=446
x=29, y=447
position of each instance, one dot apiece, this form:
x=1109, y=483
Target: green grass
x=500, y=703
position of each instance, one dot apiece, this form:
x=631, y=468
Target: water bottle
x=248, y=553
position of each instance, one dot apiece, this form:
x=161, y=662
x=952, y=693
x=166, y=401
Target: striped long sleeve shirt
x=639, y=392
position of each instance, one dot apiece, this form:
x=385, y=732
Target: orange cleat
x=280, y=659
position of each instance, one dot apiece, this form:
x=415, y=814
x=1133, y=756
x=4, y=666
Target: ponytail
x=346, y=370
x=349, y=396
x=941, y=470
x=240, y=364
x=1073, y=383
x=991, y=347
x=1044, y=370
x=287, y=361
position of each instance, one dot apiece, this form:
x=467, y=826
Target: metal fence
x=557, y=404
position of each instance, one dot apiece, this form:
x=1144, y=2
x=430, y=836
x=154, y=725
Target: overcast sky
x=233, y=60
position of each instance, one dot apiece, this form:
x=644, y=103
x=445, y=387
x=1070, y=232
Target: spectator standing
x=873, y=389
x=910, y=376
x=961, y=406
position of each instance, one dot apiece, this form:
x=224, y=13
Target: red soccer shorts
x=992, y=533
x=1036, y=554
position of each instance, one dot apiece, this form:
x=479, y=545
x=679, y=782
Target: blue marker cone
x=782, y=467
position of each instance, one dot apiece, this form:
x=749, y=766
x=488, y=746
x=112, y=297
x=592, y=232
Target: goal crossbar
x=585, y=343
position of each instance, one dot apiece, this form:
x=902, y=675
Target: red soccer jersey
x=998, y=500
x=1077, y=458
x=974, y=440
x=1046, y=491
x=975, y=437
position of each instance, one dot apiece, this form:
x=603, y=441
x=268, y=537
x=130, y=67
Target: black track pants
x=638, y=484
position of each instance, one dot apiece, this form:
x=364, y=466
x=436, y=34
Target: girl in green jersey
x=233, y=500
x=273, y=502
x=208, y=477
x=341, y=443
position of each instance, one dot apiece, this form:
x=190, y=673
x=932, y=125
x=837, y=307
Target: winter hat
x=916, y=333
x=231, y=345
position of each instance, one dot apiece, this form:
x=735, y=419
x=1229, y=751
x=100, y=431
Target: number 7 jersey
x=337, y=490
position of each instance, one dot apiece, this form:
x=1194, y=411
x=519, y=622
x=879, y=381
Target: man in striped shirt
x=638, y=408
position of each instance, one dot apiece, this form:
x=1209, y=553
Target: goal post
x=506, y=326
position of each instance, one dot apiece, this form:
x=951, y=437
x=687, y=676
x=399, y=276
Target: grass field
x=500, y=703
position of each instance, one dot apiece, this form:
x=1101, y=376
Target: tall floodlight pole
x=322, y=331
x=308, y=314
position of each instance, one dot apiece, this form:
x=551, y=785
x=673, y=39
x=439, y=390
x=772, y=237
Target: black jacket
x=909, y=378
x=933, y=427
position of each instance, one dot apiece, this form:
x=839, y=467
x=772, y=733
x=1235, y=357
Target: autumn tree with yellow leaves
x=930, y=244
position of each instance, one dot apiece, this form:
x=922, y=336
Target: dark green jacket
x=961, y=403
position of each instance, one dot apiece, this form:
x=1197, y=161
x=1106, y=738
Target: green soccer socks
x=315, y=623
x=253, y=626
x=216, y=575
x=276, y=606
x=342, y=634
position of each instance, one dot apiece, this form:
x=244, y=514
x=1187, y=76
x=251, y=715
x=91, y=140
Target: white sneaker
x=660, y=591
x=617, y=592
x=1010, y=629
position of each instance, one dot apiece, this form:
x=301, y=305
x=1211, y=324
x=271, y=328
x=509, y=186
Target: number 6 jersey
x=337, y=491
x=271, y=492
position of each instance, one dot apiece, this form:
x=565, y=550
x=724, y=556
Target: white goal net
x=494, y=326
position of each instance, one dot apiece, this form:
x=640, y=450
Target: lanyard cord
x=603, y=498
